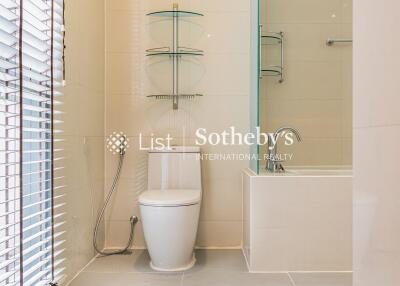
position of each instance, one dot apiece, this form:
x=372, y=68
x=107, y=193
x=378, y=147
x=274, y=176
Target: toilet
x=170, y=207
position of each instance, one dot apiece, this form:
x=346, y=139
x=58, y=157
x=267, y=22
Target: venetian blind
x=31, y=72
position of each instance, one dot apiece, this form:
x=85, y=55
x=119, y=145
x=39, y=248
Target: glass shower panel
x=306, y=80
x=254, y=82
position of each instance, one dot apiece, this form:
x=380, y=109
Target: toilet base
x=187, y=267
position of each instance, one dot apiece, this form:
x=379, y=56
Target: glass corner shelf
x=175, y=52
x=176, y=13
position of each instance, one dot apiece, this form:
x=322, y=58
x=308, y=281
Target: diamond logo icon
x=117, y=143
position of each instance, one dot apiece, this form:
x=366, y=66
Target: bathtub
x=300, y=220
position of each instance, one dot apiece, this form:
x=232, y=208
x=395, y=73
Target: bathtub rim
x=296, y=171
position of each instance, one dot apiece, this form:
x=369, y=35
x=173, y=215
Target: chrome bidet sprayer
x=118, y=144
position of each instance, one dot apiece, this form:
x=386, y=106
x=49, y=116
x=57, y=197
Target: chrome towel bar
x=331, y=42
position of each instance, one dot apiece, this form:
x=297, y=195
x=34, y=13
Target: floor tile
x=235, y=279
x=322, y=279
x=213, y=268
x=123, y=279
x=219, y=260
x=138, y=261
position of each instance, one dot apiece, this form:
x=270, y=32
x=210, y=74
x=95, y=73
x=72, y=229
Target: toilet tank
x=175, y=168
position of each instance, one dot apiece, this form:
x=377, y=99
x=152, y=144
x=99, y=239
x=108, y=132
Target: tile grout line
x=291, y=279
x=183, y=275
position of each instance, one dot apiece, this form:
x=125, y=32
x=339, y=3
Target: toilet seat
x=170, y=198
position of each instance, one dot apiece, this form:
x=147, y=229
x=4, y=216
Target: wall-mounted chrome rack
x=175, y=53
x=272, y=38
x=331, y=42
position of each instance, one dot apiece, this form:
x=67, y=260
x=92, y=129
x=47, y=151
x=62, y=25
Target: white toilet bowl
x=170, y=207
x=170, y=227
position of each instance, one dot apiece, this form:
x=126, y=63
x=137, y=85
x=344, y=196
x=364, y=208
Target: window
x=31, y=72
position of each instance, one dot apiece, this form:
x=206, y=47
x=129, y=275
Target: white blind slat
x=7, y=275
x=7, y=14
x=7, y=38
x=9, y=4
x=5, y=64
x=7, y=26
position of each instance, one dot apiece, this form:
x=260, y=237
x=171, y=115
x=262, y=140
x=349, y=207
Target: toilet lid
x=170, y=197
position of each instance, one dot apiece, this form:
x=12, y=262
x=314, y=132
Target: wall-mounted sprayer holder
x=175, y=53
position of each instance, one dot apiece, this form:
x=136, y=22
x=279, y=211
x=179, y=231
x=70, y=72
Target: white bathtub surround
x=298, y=221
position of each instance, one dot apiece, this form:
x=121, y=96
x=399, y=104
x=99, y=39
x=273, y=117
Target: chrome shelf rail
x=175, y=53
x=331, y=41
x=271, y=38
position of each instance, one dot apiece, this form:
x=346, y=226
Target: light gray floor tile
x=214, y=260
x=322, y=279
x=219, y=260
x=235, y=279
x=213, y=268
x=138, y=261
x=123, y=279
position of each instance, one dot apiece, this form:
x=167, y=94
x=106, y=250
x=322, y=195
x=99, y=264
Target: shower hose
x=133, y=220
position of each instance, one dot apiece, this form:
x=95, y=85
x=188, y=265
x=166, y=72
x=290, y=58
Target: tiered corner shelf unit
x=272, y=38
x=175, y=53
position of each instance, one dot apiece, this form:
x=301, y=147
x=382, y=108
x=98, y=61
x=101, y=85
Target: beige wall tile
x=124, y=202
x=347, y=151
x=91, y=112
x=83, y=148
x=222, y=75
x=246, y=240
x=313, y=118
x=118, y=231
x=83, y=172
x=223, y=112
x=223, y=169
x=303, y=11
x=124, y=31
x=219, y=234
x=217, y=32
x=305, y=80
x=222, y=200
x=311, y=152
x=376, y=206
x=378, y=104
x=347, y=10
x=317, y=92
x=307, y=42
x=220, y=6
x=125, y=73
x=376, y=101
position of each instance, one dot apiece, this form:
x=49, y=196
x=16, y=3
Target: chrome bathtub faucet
x=274, y=164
